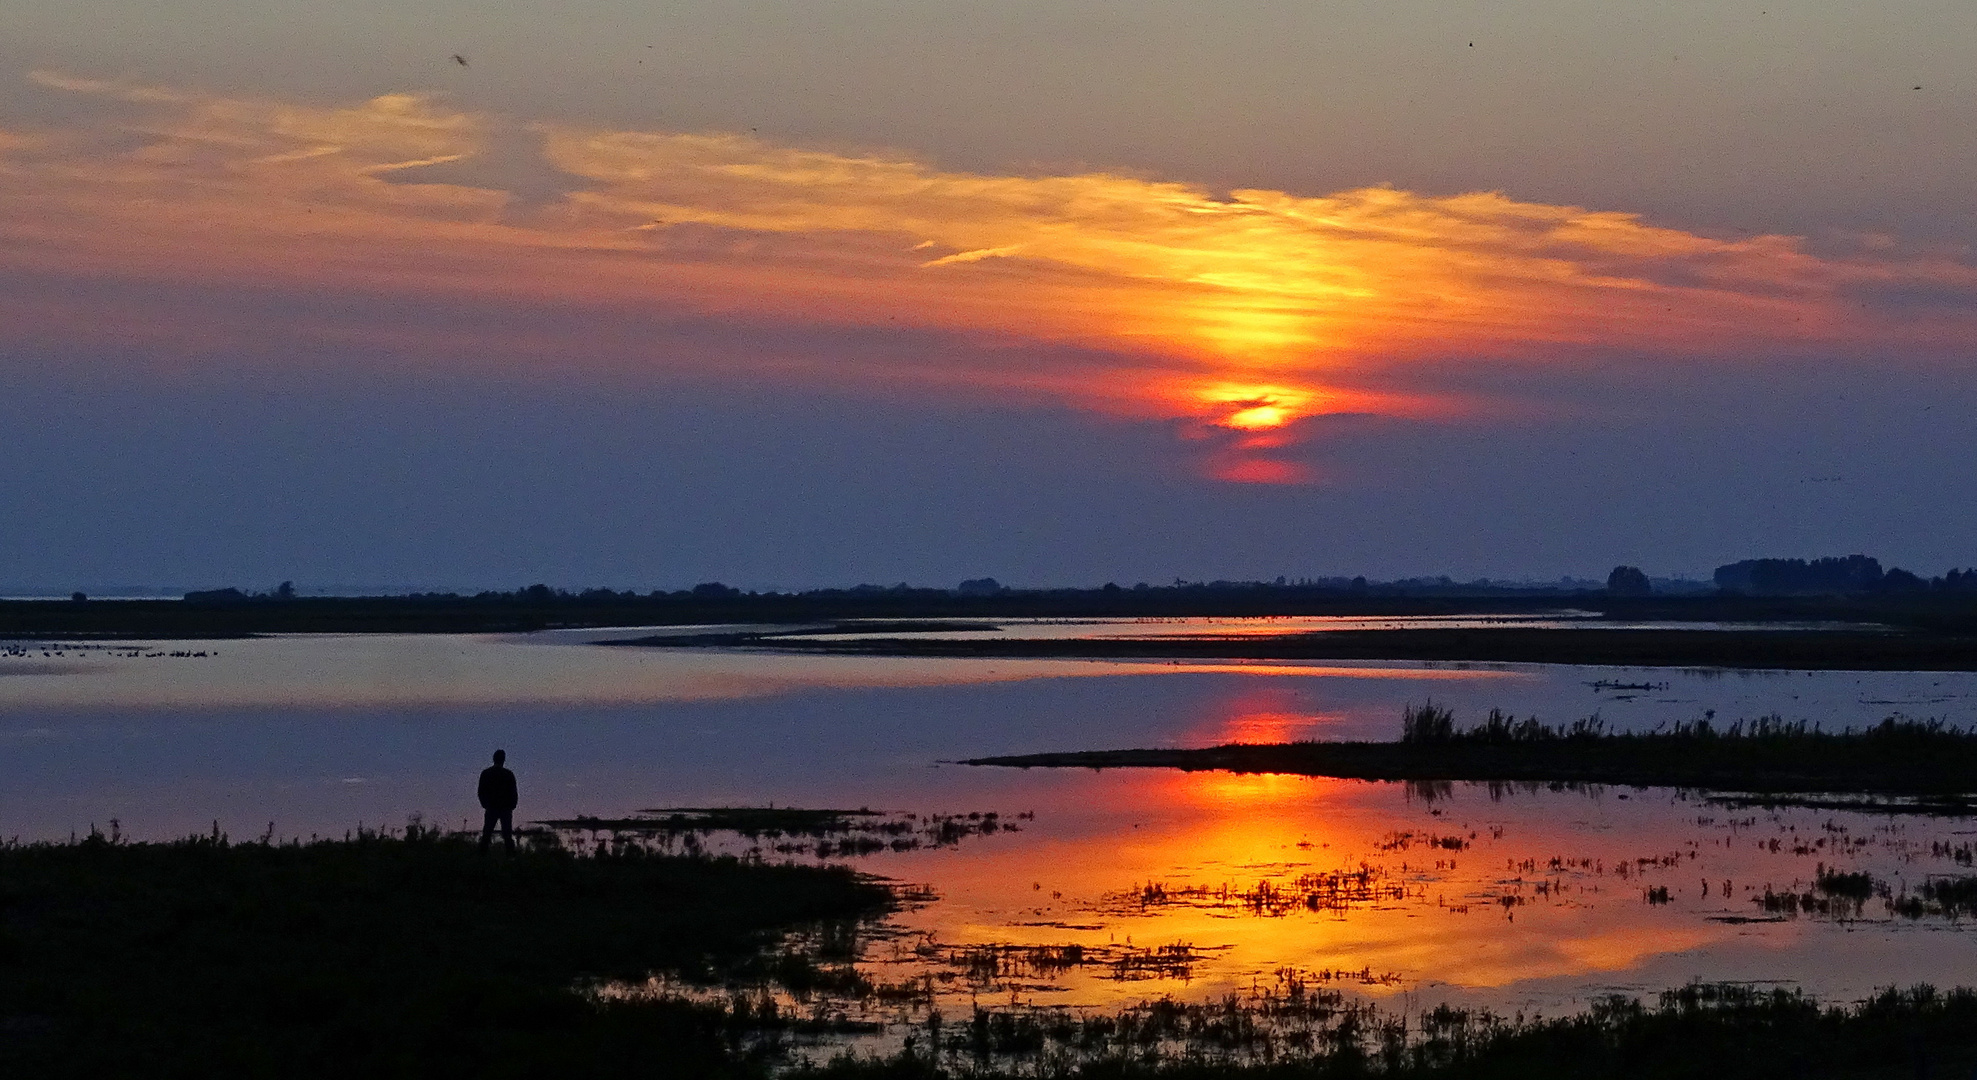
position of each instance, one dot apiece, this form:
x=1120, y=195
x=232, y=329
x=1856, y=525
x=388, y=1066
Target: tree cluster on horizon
x=1848, y=575
x=1851, y=575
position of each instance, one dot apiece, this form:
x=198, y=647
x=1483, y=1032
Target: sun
x=1257, y=418
x=1254, y=408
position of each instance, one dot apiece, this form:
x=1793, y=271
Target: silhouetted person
x=498, y=799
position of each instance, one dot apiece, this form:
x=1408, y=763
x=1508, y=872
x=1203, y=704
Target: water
x=1238, y=877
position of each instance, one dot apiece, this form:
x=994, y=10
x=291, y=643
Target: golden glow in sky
x=1245, y=313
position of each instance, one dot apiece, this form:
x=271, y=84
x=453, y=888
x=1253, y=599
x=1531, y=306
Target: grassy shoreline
x=1895, y=758
x=411, y=955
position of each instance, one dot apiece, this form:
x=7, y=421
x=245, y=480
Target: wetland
x=1008, y=921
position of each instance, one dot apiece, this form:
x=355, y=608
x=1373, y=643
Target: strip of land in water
x=1938, y=767
x=229, y=613
x=1795, y=650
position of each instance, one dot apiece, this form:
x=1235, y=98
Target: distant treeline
x=978, y=589
x=232, y=612
x=227, y=612
x=1853, y=588
x=1834, y=576
x=1849, y=575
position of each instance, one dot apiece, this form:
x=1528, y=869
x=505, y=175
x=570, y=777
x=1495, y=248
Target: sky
x=794, y=294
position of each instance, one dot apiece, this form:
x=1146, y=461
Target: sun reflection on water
x=1501, y=900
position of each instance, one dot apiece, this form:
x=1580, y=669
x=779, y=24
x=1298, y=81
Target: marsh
x=1130, y=887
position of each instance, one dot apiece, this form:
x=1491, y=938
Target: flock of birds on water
x=122, y=652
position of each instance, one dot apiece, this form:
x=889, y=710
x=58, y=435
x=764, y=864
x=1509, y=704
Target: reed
x=1931, y=764
x=1698, y=1031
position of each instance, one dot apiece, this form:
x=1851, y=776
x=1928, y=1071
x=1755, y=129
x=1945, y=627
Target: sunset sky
x=789, y=294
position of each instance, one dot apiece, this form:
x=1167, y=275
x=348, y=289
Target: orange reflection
x=1260, y=470
x=1270, y=727
x=1262, y=715
x=1491, y=915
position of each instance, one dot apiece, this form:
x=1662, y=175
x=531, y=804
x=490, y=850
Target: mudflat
x=1798, y=650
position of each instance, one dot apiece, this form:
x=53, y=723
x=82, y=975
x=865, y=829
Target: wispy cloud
x=1244, y=313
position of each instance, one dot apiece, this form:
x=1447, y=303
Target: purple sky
x=823, y=293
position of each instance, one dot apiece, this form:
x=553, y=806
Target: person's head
x=500, y=756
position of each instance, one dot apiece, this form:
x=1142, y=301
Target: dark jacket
x=497, y=789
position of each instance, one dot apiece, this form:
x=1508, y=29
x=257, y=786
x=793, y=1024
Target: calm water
x=1528, y=900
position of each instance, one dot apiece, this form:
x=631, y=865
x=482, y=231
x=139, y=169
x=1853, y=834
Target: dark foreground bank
x=1919, y=759
x=380, y=956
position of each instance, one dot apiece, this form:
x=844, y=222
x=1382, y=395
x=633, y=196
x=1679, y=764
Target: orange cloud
x=1242, y=314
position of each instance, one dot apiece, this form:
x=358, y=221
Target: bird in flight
x=460, y=60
